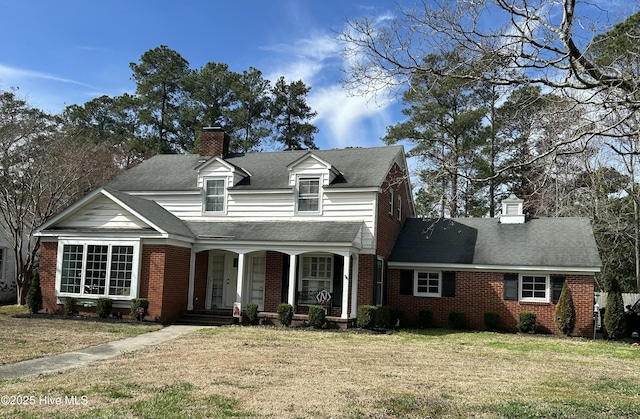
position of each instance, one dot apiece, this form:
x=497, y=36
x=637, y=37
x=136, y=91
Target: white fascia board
x=232, y=168
x=132, y=211
x=305, y=156
x=349, y=190
x=223, y=242
x=500, y=268
x=291, y=249
x=258, y=191
x=153, y=193
x=70, y=209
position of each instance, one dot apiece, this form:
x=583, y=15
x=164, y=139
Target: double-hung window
x=317, y=275
x=98, y=269
x=427, y=284
x=309, y=194
x=391, y=201
x=214, y=196
x=399, y=208
x=534, y=288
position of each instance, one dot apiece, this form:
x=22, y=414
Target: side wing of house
x=7, y=272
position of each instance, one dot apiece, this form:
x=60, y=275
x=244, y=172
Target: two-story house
x=205, y=231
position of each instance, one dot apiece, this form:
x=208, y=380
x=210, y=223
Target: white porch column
x=192, y=274
x=354, y=287
x=291, y=295
x=345, y=286
x=240, y=281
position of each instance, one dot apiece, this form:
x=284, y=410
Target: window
x=97, y=269
x=309, y=195
x=391, y=195
x=317, y=275
x=534, y=288
x=214, y=196
x=427, y=284
x=399, y=208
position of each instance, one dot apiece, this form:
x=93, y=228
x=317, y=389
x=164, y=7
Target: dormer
x=512, y=212
x=311, y=165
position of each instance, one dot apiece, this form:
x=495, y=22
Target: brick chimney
x=214, y=142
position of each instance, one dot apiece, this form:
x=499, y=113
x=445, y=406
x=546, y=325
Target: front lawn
x=281, y=373
x=33, y=337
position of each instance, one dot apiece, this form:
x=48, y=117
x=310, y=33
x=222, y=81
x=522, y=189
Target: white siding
x=102, y=213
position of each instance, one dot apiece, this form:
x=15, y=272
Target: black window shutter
x=406, y=282
x=557, y=282
x=449, y=284
x=284, y=291
x=510, y=286
x=338, y=267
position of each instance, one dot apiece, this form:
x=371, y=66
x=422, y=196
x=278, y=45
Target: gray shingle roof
x=154, y=213
x=361, y=167
x=277, y=231
x=553, y=242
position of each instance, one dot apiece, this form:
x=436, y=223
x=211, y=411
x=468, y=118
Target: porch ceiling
x=278, y=231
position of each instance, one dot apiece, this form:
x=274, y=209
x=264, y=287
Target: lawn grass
x=32, y=337
x=286, y=373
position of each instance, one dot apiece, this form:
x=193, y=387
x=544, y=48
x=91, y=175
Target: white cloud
x=12, y=73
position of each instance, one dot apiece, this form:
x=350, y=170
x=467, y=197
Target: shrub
x=565, y=315
x=70, y=306
x=458, y=319
x=317, y=317
x=34, y=295
x=139, y=307
x=251, y=313
x=103, y=307
x=366, y=316
x=527, y=321
x=425, y=318
x=615, y=323
x=491, y=320
x=285, y=314
x=382, y=318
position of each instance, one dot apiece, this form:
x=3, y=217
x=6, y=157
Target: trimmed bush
x=491, y=320
x=458, y=319
x=251, y=313
x=34, y=295
x=383, y=318
x=139, y=307
x=103, y=307
x=285, y=314
x=425, y=319
x=565, y=315
x=69, y=308
x=527, y=321
x=366, y=316
x=615, y=324
x=317, y=317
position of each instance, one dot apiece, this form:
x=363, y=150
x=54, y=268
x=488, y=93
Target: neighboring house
x=8, y=293
x=506, y=265
x=202, y=232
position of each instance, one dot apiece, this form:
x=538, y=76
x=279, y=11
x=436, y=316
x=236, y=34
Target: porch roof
x=278, y=231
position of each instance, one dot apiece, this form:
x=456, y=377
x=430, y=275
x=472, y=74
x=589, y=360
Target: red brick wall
x=388, y=224
x=478, y=292
x=366, y=275
x=273, y=281
x=164, y=280
x=48, y=256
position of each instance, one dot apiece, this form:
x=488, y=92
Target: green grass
x=12, y=310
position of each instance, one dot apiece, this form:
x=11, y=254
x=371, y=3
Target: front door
x=230, y=280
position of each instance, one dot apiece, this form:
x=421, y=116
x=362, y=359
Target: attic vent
x=512, y=212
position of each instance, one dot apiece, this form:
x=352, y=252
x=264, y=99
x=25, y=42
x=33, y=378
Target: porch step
x=213, y=318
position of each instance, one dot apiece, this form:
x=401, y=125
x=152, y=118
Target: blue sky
x=66, y=52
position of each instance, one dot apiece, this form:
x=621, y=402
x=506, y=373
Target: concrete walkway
x=84, y=356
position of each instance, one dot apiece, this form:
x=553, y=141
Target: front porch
x=222, y=278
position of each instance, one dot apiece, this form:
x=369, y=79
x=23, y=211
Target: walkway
x=64, y=361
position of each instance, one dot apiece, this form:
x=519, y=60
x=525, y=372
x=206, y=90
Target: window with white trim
x=97, y=269
x=308, y=194
x=534, y=288
x=427, y=284
x=214, y=196
x=399, y=207
x=379, y=282
x=316, y=275
x=391, y=201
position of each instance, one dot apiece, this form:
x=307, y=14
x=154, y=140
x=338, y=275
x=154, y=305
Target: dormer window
x=214, y=196
x=309, y=194
x=512, y=212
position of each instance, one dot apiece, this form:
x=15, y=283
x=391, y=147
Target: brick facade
x=479, y=292
x=48, y=256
